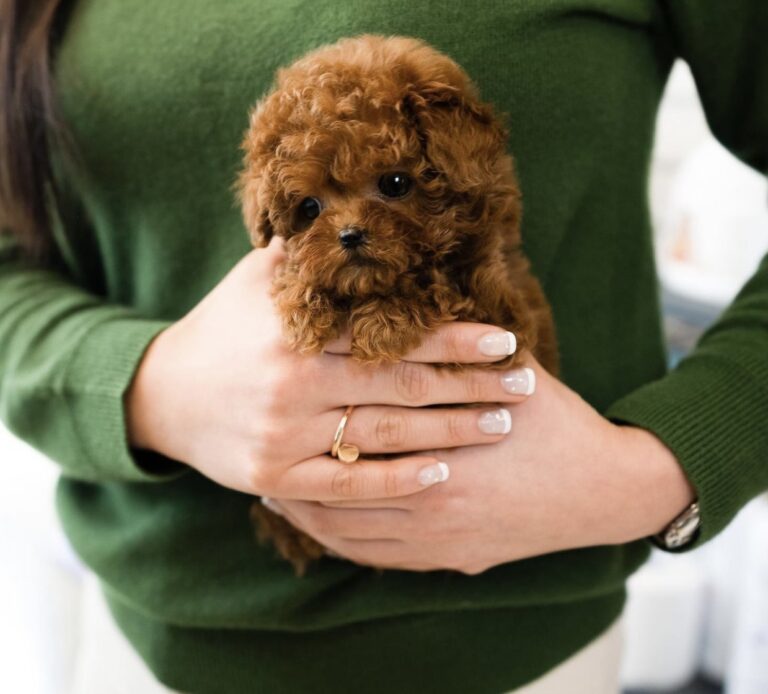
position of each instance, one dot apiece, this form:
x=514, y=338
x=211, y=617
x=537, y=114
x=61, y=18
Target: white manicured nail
x=497, y=344
x=495, y=422
x=272, y=505
x=519, y=381
x=432, y=474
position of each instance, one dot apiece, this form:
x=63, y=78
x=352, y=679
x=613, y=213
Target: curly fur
x=335, y=121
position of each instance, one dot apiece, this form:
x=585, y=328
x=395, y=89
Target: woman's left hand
x=564, y=477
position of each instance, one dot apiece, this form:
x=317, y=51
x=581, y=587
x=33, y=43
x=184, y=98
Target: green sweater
x=157, y=95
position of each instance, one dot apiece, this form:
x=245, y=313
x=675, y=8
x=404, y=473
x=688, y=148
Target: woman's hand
x=220, y=391
x=564, y=477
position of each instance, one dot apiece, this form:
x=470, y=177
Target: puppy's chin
x=361, y=277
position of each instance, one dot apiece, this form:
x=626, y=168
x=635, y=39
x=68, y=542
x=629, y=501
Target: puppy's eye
x=395, y=185
x=309, y=209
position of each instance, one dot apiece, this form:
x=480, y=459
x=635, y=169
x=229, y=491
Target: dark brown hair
x=28, y=120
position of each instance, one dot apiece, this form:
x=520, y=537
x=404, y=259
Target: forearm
x=66, y=360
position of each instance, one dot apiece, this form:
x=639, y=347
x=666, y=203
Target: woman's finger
x=457, y=342
x=262, y=262
x=410, y=384
x=381, y=429
x=324, y=478
x=404, y=503
x=381, y=554
x=350, y=524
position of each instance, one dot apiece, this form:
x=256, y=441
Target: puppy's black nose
x=352, y=237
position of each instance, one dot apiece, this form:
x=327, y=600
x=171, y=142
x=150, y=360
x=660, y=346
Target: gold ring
x=345, y=452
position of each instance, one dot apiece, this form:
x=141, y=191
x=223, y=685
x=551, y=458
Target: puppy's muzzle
x=352, y=237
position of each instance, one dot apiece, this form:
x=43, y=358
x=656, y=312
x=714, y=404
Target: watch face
x=683, y=530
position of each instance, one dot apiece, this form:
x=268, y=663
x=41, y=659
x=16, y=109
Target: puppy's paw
x=289, y=542
x=309, y=320
x=384, y=331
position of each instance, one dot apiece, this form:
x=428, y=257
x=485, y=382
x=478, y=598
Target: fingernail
x=497, y=344
x=495, y=422
x=272, y=505
x=433, y=474
x=519, y=381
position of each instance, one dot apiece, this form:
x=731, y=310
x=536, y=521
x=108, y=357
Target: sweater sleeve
x=66, y=360
x=711, y=410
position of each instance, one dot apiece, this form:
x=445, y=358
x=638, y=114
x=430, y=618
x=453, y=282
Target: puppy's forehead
x=345, y=152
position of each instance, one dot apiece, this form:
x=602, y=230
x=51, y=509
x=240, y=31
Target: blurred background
x=695, y=623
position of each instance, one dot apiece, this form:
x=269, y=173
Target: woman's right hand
x=220, y=391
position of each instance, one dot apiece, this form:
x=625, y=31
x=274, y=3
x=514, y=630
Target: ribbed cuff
x=96, y=381
x=711, y=412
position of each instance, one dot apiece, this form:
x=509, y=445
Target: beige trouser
x=107, y=664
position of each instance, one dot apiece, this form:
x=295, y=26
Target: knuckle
x=391, y=483
x=441, y=504
x=278, y=392
x=305, y=369
x=259, y=480
x=473, y=388
x=453, y=345
x=448, y=503
x=345, y=482
x=456, y=429
x=256, y=457
x=320, y=521
x=272, y=436
x=472, y=570
x=411, y=382
x=275, y=392
x=274, y=345
x=391, y=430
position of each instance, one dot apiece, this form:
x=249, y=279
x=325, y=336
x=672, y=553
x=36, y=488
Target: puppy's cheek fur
x=310, y=319
x=385, y=329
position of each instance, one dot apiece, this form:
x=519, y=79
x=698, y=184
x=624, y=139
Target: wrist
x=144, y=396
x=660, y=490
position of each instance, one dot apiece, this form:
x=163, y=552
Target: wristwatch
x=681, y=531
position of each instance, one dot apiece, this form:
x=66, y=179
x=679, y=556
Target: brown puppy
x=390, y=182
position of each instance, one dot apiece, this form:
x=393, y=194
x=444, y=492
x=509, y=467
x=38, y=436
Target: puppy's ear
x=253, y=199
x=259, y=228
x=460, y=135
